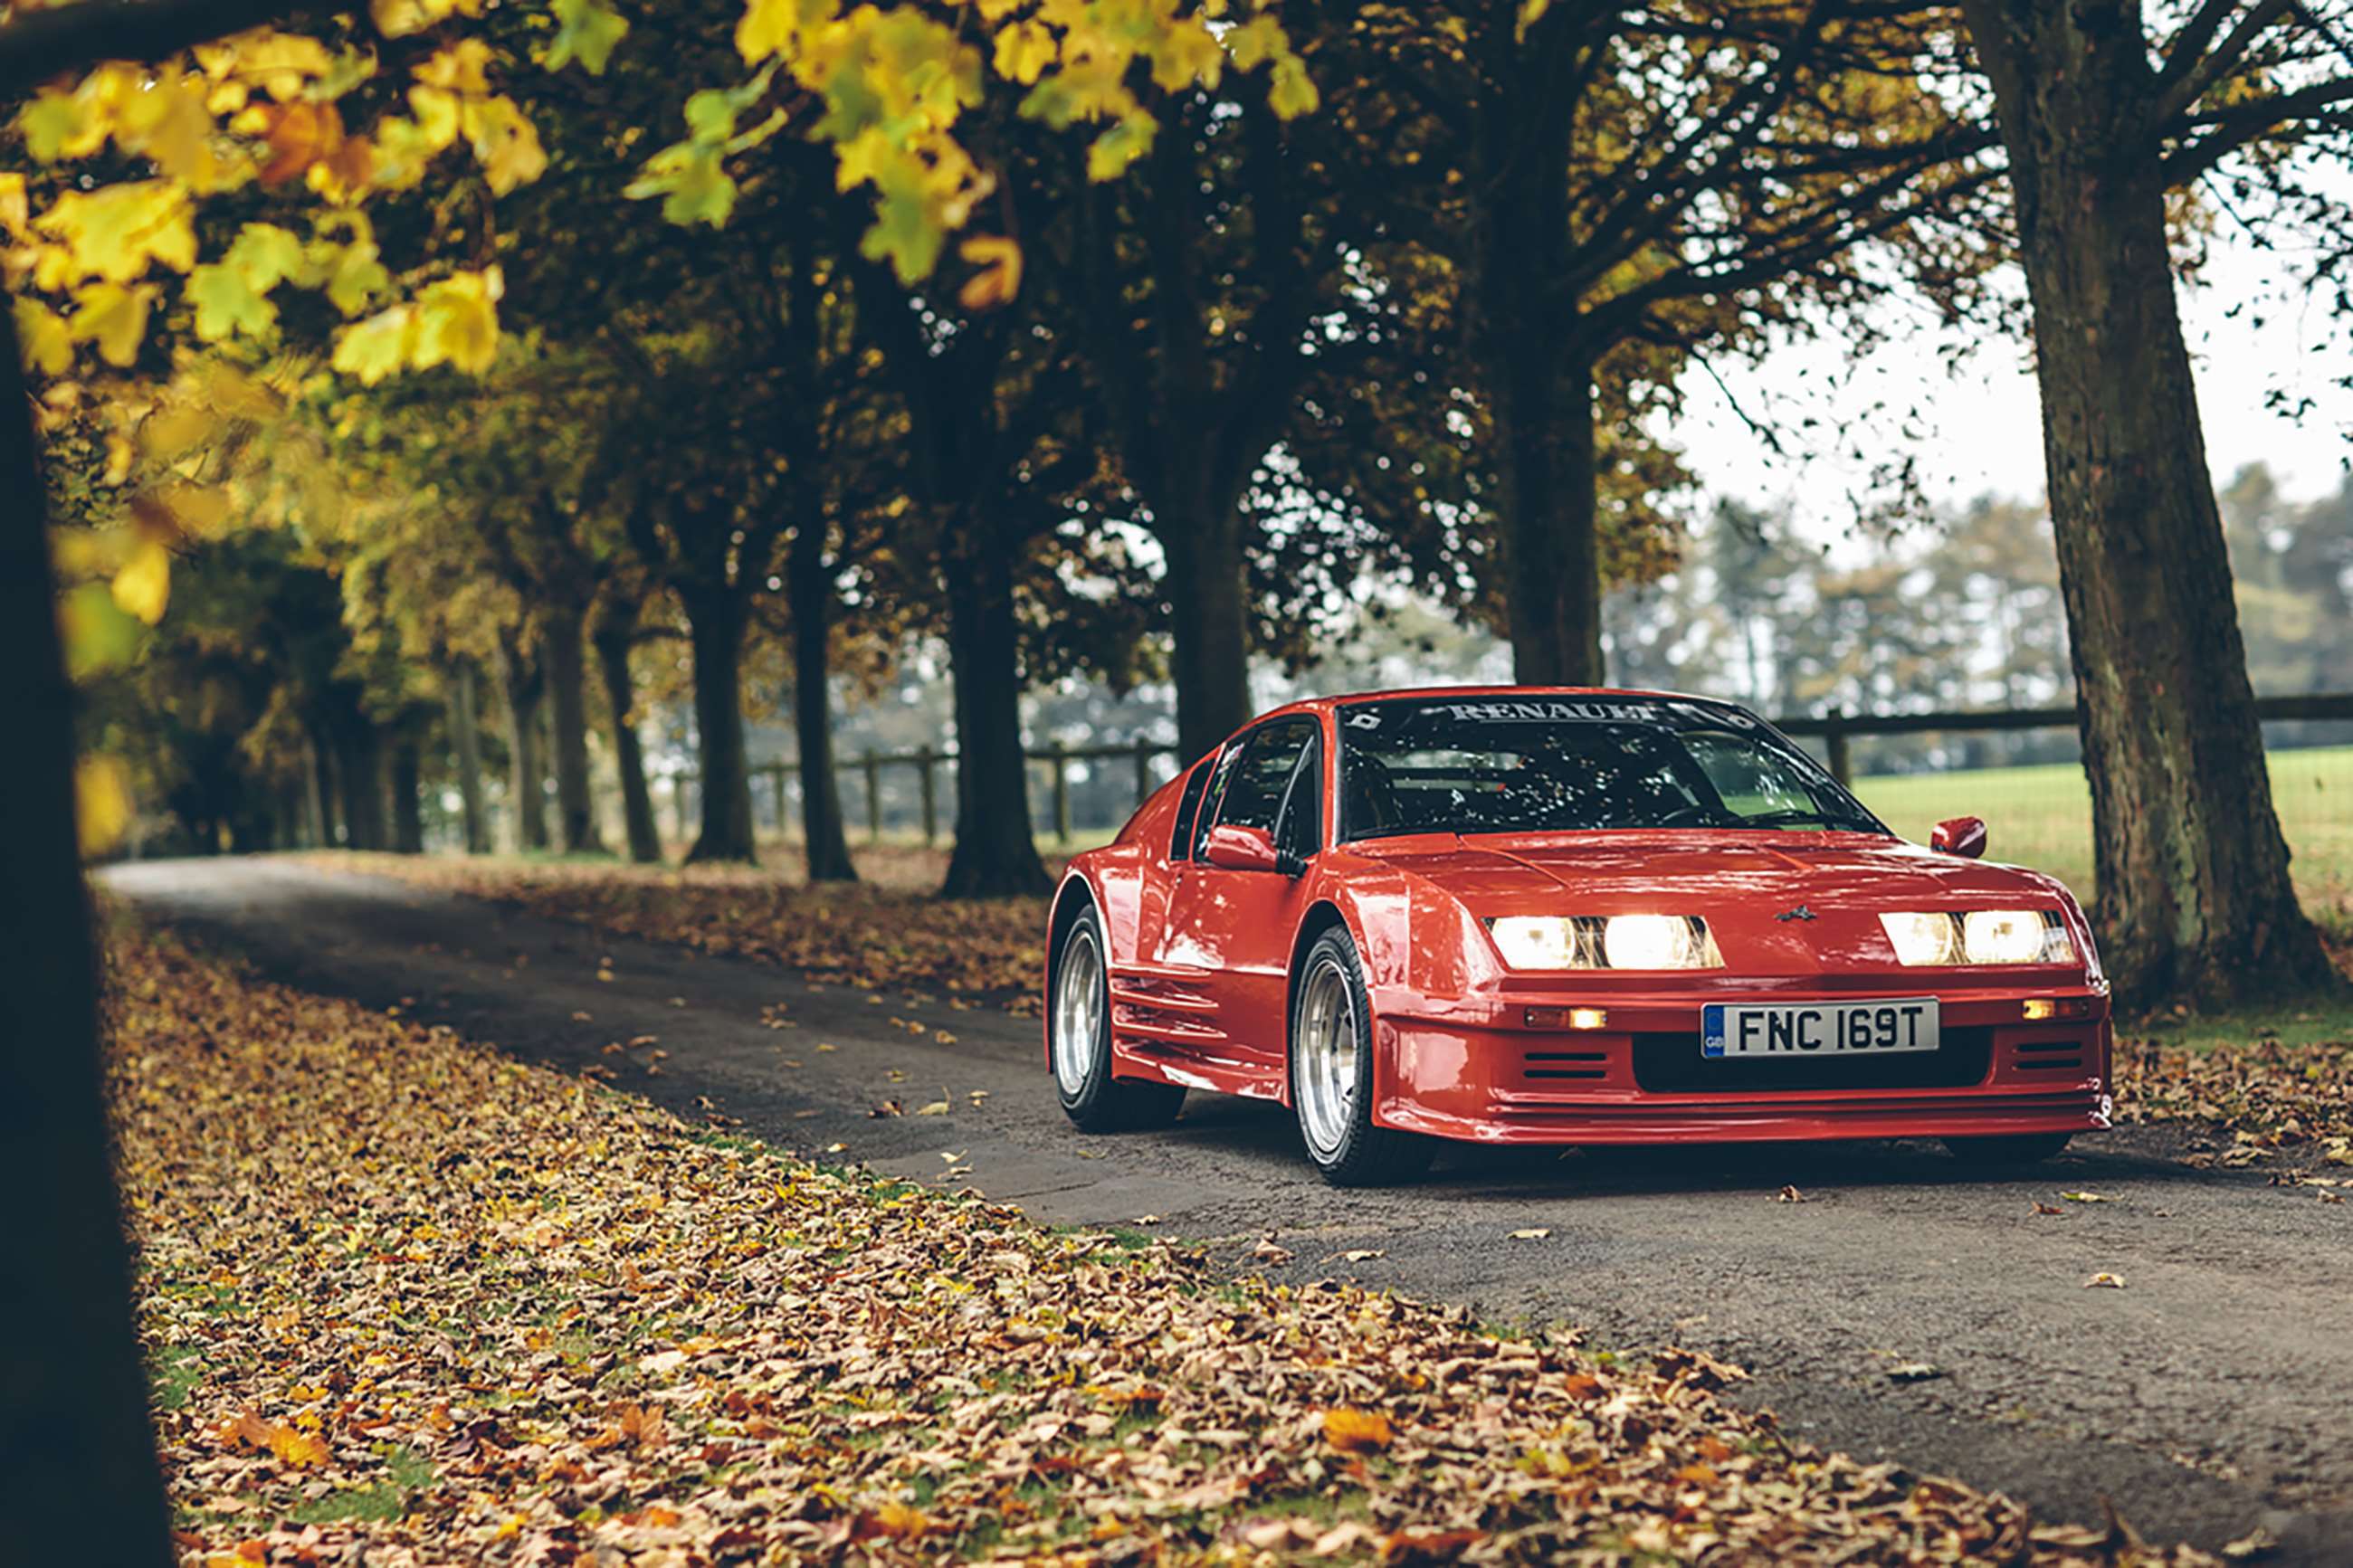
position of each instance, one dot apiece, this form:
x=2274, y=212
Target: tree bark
x=567, y=680
x=407, y=782
x=615, y=634
x=465, y=728
x=809, y=590
x=2194, y=903
x=1550, y=548
x=78, y=1481
x=996, y=857
x=359, y=769
x=715, y=624
x=525, y=682
x=1209, y=600
x=1543, y=388
x=318, y=828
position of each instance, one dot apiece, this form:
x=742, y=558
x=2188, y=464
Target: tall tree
x=1629, y=187
x=2104, y=123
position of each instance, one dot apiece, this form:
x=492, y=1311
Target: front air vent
x=2051, y=1055
x=1567, y=1064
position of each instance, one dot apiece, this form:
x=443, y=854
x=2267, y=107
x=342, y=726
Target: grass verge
x=405, y=1300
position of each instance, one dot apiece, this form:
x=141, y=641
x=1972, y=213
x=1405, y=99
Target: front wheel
x=1331, y=1074
x=2008, y=1149
x=1078, y=1029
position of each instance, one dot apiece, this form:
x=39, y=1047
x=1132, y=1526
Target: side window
x=1253, y=787
x=1301, y=828
x=1180, y=841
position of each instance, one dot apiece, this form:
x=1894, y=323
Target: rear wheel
x=1331, y=1074
x=1077, y=1030
x=2008, y=1149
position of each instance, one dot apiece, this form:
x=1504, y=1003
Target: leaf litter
x=423, y=1303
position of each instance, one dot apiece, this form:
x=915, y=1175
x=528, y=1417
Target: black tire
x=1093, y=1099
x=1341, y=1141
x=2008, y=1149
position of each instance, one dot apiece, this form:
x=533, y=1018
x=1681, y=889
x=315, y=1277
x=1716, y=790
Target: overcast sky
x=1983, y=427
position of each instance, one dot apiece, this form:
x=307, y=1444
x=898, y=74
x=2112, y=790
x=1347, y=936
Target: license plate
x=1817, y=1029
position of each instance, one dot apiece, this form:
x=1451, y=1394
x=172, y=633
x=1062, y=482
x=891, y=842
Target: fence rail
x=1834, y=729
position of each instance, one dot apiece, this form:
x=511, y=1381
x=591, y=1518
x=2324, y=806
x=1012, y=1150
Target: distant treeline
x=1963, y=614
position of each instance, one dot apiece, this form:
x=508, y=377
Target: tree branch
x=44, y=44
x=2201, y=75
x=2228, y=130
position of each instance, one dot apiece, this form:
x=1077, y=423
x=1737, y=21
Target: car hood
x=1750, y=886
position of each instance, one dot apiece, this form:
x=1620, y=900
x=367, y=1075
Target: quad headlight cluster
x=1605, y=941
x=1978, y=936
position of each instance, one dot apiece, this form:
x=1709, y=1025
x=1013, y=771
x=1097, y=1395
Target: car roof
x=1321, y=704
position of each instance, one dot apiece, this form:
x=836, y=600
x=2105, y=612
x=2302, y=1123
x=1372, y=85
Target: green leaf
x=227, y=304
x=587, y=31
x=264, y=255
x=907, y=233
x=99, y=634
x=691, y=179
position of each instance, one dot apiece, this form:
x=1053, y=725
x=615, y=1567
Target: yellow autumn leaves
x=896, y=80
x=259, y=108
x=266, y=106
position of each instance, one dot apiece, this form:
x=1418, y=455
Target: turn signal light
x=1566, y=1018
x=2040, y=1008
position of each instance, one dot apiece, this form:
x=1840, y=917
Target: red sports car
x=1522, y=915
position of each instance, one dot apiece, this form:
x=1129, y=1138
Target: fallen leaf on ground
x=1534, y=1233
x=502, y=1317
x=1358, y=1431
x=2107, y=1280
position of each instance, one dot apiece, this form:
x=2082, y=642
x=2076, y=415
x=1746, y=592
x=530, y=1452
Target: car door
x=1234, y=927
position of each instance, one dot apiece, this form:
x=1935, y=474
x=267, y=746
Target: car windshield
x=1556, y=764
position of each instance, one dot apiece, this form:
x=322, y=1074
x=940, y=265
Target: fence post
x=1835, y=742
x=873, y=765
x=929, y=760
x=785, y=773
x=677, y=805
x=1061, y=756
x=1142, y=769
x=777, y=780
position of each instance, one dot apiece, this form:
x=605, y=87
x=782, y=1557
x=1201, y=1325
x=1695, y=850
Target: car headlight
x=1980, y=936
x=1605, y=941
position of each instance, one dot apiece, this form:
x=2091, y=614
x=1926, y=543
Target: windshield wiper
x=1795, y=818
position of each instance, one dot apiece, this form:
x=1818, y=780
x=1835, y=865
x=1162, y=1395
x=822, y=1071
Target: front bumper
x=1477, y=1070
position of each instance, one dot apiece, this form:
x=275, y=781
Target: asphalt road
x=2211, y=1394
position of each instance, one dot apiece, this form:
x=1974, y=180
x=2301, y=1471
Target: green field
x=2041, y=817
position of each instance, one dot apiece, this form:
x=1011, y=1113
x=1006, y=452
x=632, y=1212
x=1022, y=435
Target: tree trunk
x=78, y=1481
x=1210, y=604
x=407, y=782
x=1550, y=549
x=715, y=624
x=996, y=856
x=526, y=685
x=615, y=634
x=567, y=688
x=1543, y=388
x=335, y=832
x=465, y=727
x=359, y=769
x=318, y=827
x=2195, y=902
x=809, y=590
